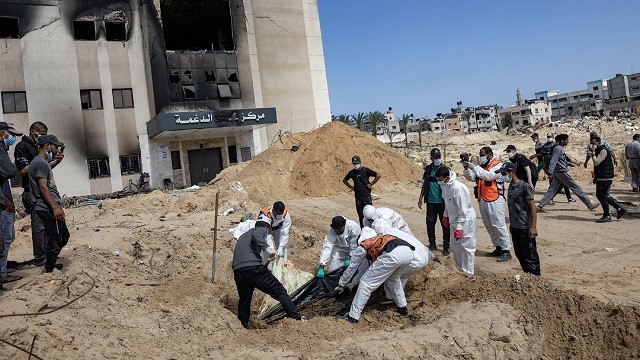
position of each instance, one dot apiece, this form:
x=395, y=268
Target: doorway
x=204, y=164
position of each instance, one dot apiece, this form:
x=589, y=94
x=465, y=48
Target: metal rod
x=215, y=240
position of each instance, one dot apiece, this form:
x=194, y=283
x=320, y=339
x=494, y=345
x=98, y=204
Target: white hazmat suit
x=337, y=248
x=421, y=255
x=461, y=216
x=392, y=218
x=492, y=213
x=280, y=225
x=389, y=266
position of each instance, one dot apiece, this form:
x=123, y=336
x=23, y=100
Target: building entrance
x=204, y=164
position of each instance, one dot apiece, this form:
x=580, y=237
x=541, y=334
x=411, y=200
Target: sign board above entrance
x=175, y=121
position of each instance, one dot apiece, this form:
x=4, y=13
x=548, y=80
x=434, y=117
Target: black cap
x=355, y=159
x=9, y=128
x=535, y=135
x=435, y=152
x=593, y=135
x=506, y=166
x=338, y=222
x=48, y=139
x=510, y=148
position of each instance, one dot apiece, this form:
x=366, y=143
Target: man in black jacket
x=431, y=194
x=604, y=171
x=361, y=185
x=525, y=169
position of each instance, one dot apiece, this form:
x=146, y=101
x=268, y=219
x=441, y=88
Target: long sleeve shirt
x=632, y=150
x=558, y=163
x=345, y=243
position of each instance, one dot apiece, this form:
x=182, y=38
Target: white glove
x=280, y=251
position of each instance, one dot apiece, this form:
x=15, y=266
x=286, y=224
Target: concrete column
x=182, y=164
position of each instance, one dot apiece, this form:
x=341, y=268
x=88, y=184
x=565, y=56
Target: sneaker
x=403, y=311
x=571, y=201
x=433, y=247
x=445, y=252
x=604, y=219
x=539, y=208
x=505, y=256
x=10, y=278
x=551, y=203
x=495, y=253
x=347, y=318
x=303, y=319
x=593, y=206
x=621, y=213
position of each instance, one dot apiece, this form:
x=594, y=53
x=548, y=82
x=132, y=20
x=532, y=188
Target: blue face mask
x=49, y=155
x=441, y=183
x=10, y=140
x=505, y=178
x=437, y=162
x=483, y=159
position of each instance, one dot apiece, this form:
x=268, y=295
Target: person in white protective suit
x=340, y=241
x=392, y=218
x=421, y=255
x=461, y=217
x=489, y=191
x=389, y=257
x=280, y=226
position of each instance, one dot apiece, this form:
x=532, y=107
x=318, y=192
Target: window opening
x=91, y=99
x=98, y=168
x=9, y=28
x=122, y=98
x=115, y=31
x=14, y=102
x=175, y=160
x=84, y=30
x=129, y=164
x=201, y=25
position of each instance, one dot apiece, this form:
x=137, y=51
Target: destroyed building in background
x=179, y=89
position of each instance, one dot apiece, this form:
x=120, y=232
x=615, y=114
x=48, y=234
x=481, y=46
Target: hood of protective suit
x=452, y=176
x=380, y=226
x=367, y=233
x=369, y=212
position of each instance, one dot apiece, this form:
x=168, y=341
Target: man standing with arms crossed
x=431, y=193
x=361, y=185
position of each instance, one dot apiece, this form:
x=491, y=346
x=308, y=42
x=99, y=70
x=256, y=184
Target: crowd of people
x=35, y=156
x=381, y=250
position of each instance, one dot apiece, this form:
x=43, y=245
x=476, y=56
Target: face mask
x=278, y=217
x=511, y=154
x=49, y=155
x=549, y=139
x=505, y=178
x=441, y=182
x=357, y=166
x=10, y=140
x=437, y=162
x=483, y=159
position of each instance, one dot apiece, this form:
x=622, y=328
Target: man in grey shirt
x=632, y=153
x=559, y=167
x=523, y=219
x=249, y=273
x=47, y=199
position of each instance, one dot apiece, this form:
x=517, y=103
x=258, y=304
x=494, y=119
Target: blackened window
x=233, y=154
x=175, y=160
x=98, y=168
x=129, y=164
x=84, y=30
x=122, y=98
x=91, y=99
x=9, y=28
x=197, y=25
x=188, y=92
x=14, y=102
x=115, y=31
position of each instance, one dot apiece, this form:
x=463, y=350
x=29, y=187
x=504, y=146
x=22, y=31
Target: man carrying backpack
x=545, y=153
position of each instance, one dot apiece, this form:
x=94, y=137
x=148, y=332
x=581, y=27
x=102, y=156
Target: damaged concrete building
x=180, y=89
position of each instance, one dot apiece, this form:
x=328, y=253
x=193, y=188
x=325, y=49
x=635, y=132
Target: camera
x=464, y=157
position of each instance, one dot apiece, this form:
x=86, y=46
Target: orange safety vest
x=489, y=190
x=375, y=245
x=267, y=212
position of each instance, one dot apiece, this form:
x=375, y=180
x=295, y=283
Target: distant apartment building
x=452, y=122
x=529, y=113
x=485, y=118
x=437, y=124
x=624, y=87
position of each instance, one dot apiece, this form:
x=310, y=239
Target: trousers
x=634, y=166
x=560, y=179
x=526, y=251
x=360, y=204
x=493, y=218
x=435, y=211
x=38, y=235
x=57, y=235
x=602, y=194
x=8, y=235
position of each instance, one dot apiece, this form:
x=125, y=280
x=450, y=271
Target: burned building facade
x=177, y=88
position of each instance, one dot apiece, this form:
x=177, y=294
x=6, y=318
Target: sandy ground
x=159, y=302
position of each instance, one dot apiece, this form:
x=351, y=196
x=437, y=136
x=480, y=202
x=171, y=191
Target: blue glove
x=347, y=262
x=320, y=273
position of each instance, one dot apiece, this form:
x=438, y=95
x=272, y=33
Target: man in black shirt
x=525, y=169
x=25, y=152
x=361, y=185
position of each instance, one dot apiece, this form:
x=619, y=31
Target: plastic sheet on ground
x=290, y=277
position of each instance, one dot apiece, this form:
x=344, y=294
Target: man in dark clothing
x=431, y=194
x=249, y=273
x=7, y=209
x=361, y=185
x=47, y=199
x=525, y=169
x=545, y=155
x=538, y=149
x=25, y=152
x=522, y=218
x=604, y=172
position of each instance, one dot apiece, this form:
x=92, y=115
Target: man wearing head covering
x=280, y=226
x=592, y=136
x=489, y=192
x=538, y=149
x=524, y=166
x=431, y=194
x=392, y=218
x=421, y=254
x=340, y=241
x=7, y=171
x=47, y=199
x=361, y=186
x=389, y=257
x=461, y=217
x=250, y=273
